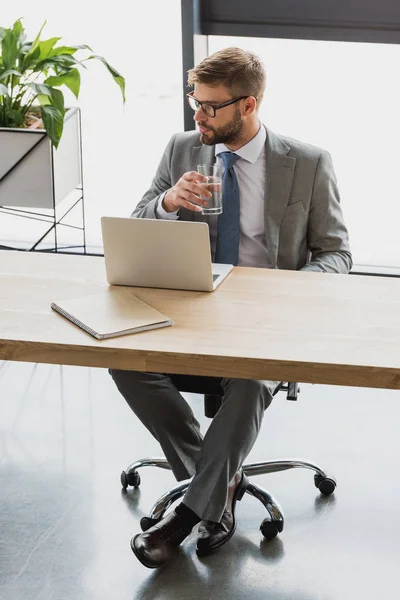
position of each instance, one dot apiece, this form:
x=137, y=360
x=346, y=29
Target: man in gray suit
x=281, y=211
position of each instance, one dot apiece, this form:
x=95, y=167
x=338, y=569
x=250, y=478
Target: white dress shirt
x=251, y=175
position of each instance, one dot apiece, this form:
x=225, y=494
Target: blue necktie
x=229, y=220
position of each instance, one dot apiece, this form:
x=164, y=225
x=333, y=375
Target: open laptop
x=160, y=253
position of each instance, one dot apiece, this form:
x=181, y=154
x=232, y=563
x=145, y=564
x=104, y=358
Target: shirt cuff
x=161, y=213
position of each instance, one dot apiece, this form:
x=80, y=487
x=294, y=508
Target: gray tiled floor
x=65, y=435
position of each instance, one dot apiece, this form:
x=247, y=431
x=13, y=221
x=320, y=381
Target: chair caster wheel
x=147, y=522
x=132, y=478
x=326, y=485
x=270, y=529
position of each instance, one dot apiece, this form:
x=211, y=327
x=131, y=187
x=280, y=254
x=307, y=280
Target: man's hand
x=185, y=193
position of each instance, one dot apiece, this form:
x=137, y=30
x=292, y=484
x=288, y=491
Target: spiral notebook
x=111, y=313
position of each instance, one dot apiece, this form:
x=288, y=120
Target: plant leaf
x=26, y=46
x=56, y=97
x=68, y=49
x=12, y=118
x=18, y=30
x=72, y=79
x=34, y=51
x=46, y=47
x=64, y=62
x=36, y=41
x=6, y=74
x=39, y=88
x=116, y=76
x=29, y=59
x=44, y=100
x=53, y=121
x=11, y=44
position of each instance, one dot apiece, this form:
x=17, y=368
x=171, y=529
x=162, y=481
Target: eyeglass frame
x=215, y=108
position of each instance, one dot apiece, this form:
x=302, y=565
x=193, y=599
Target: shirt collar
x=250, y=151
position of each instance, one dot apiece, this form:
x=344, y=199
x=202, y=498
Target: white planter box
x=32, y=173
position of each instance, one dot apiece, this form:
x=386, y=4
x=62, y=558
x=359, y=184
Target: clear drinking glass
x=213, y=185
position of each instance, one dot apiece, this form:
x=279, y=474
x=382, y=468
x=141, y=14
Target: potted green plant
x=33, y=118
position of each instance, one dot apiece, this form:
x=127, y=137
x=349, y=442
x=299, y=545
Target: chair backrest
x=212, y=402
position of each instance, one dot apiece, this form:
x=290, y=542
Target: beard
x=230, y=133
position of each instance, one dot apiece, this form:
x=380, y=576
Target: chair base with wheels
x=270, y=527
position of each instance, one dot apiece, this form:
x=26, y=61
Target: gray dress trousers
x=211, y=461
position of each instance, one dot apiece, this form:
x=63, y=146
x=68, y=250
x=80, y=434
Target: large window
x=121, y=145
x=343, y=97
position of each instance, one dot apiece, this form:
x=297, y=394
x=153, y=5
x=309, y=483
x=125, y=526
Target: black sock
x=187, y=515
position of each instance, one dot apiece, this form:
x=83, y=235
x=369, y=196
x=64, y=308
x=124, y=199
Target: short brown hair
x=241, y=71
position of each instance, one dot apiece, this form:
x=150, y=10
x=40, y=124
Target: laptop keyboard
x=215, y=276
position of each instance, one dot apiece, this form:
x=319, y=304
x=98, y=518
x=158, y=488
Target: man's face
x=227, y=125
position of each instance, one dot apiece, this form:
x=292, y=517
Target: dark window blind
x=346, y=20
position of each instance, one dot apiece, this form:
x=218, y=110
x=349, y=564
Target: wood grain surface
x=259, y=323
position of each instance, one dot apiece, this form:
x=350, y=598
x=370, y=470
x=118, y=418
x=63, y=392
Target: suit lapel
x=202, y=155
x=279, y=178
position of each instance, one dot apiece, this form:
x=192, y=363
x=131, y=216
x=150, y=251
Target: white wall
x=122, y=145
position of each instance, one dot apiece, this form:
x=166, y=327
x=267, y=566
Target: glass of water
x=213, y=185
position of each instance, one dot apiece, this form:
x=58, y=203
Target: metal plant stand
x=54, y=221
x=53, y=217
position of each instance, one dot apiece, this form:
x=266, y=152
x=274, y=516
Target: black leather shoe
x=160, y=543
x=214, y=535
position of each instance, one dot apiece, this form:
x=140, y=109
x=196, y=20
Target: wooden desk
x=263, y=324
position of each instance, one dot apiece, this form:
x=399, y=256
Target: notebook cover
x=111, y=313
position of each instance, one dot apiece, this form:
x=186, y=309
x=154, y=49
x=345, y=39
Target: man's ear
x=250, y=105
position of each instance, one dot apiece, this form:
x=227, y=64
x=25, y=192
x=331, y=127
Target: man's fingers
x=192, y=202
x=186, y=189
x=193, y=183
x=190, y=206
x=194, y=199
x=200, y=189
x=194, y=176
x=194, y=193
x=191, y=191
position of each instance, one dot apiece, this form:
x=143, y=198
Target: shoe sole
x=139, y=556
x=239, y=493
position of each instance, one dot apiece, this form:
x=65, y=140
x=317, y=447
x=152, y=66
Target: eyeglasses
x=209, y=109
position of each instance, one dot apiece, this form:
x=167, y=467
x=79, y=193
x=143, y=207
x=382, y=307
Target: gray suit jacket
x=304, y=225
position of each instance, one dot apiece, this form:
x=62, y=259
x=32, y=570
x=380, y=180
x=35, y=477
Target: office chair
x=269, y=527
